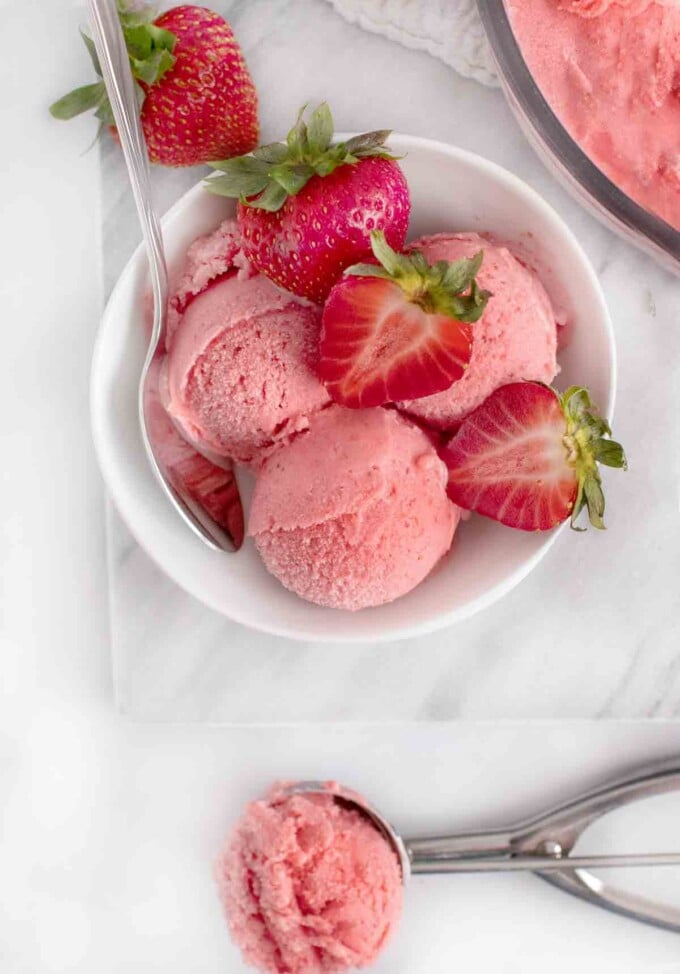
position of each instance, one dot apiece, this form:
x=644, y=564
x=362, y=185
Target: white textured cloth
x=448, y=29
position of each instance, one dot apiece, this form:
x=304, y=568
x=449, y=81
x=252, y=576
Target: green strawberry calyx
x=587, y=442
x=151, y=55
x=266, y=177
x=445, y=287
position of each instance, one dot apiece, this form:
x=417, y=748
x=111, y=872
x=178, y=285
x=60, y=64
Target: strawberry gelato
x=308, y=885
x=354, y=513
x=516, y=337
x=610, y=69
x=209, y=258
x=240, y=374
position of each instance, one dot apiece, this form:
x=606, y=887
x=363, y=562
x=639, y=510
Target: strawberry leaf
x=292, y=178
x=138, y=42
x=272, y=199
x=78, y=101
x=361, y=145
x=162, y=38
x=594, y=499
x=369, y=270
x=395, y=264
x=586, y=447
x=150, y=49
x=460, y=274
x=307, y=152
x=273, y=153
x=240, y=177
x=610, y=453
x=135, y=14
x=104, y=112
x=151, y=69
x=297, y=140
x=435, y=288
x=92, y=51
x=320, y=131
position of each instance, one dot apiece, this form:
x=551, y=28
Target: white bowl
x=450, y=190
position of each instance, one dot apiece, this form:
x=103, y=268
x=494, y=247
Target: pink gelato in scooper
x=240, y=376
x=309, y=886
x=610, y=70
x=354, y=513
x=516, y=337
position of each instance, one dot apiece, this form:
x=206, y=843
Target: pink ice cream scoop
x=240, y=376
x=309, y=885
x=354, y=513
x=610, y=70
x=210, y=257
x=516, y=337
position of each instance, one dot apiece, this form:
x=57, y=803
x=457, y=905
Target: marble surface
x=109, y=825
x=595, y=630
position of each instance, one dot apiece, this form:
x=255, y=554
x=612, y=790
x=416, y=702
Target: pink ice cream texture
x=610, y=70
x=240, y=377
x=516, y=337
x=308, y=886
x=354, y=513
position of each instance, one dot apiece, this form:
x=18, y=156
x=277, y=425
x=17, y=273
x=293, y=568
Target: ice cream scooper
x=115, y=66
x=542, y=845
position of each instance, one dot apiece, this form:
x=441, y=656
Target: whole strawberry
x=308, y=206
x=528, y=457
x=197, y=99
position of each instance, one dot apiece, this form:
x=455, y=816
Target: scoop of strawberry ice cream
x=209, y=258
x=240, y=376
x=516, y=337
x=354, y=513
x=308, y=885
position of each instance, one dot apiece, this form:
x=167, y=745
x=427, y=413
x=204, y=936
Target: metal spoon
x=115, y=65
x=542, y=845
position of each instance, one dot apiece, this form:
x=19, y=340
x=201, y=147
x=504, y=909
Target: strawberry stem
x=446, y=287
x=587, y=442
x=265, y=178
x=150, y=49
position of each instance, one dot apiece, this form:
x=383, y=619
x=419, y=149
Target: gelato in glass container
x=574, y=157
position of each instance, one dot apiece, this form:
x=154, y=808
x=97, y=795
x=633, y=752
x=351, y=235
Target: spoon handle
x=120, y=86
x=532, y=863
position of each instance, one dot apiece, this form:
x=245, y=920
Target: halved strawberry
x=528, y=457
x=398, y=329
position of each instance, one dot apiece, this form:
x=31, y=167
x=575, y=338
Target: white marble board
x=595, y=630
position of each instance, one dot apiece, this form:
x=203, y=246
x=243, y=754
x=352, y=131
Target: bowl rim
x=116, y=483
x=644, y=228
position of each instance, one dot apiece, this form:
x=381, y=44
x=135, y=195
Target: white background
x=108, y=828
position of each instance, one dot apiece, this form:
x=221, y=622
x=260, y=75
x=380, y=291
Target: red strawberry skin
x=205, y=106
x=306, y=245
x=508, y=460
x=376, y=344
